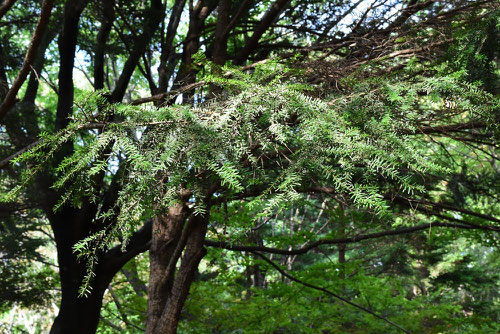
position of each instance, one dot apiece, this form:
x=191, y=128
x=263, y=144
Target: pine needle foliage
x=269, y=136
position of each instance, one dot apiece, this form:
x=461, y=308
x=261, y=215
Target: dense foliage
x=344, y=180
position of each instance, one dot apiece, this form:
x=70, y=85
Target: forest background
x=220, y=166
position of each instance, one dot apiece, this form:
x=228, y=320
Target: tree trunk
x=80, y=315
x=168, y=290
x=220, y=44
x=193, y=254
x=76, y=314
x=167, y=231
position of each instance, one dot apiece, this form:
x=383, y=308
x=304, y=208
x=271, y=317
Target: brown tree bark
x=167, y=230
x=193, y=253
x=168, y=287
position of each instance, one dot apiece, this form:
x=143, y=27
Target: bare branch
x=292, y=278
x=448, y=206
x=4, y=8
x=10, y=98
x=358, y=238
x=266, y=21
x=449, y=128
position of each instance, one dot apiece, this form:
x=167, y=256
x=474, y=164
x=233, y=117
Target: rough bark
x=167, y=231
x=194, y=252
x=169, y=287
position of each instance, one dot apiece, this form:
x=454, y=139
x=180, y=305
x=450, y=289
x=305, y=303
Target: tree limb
x=266, y=21
x=358, y=238
x=155, y=15
x=6, y=5
x=10, y=98
x=292, y=278
x=115, y=259
x=448, y=206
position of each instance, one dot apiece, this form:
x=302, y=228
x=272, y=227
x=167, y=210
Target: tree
x=347, y=126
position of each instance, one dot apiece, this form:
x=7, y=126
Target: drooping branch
x=10, y=98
